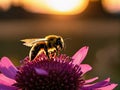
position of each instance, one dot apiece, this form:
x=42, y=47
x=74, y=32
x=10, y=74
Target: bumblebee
x=51, y=46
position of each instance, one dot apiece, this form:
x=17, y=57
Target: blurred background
x=95, y=23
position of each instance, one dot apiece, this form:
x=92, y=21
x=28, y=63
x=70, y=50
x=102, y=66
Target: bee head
x=55, y=41
x=60, y=43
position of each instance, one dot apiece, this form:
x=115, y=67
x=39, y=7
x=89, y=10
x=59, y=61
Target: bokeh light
x=5, y=4
x=112, y=6
x=62, y=7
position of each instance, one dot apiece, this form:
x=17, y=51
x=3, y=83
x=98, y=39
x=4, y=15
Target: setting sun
x=63, y=7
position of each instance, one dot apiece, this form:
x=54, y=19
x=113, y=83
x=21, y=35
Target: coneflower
x=59, y=73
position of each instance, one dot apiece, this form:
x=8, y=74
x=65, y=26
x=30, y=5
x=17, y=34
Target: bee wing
x=30, y=42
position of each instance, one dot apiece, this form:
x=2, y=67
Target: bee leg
x=54, y=52
x=46, y=51
x=57, y=51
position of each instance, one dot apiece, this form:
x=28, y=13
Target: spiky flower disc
x=57, y=74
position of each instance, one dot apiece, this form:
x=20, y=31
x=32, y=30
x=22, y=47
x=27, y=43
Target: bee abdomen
x=37, y=49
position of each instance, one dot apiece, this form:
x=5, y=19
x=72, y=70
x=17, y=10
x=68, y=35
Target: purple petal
x=85, y=68
x=80, y=55
x=103, y=83
x=41, y=71
x=91, y=80
x=6, y=83
x=109, y=87
x=5, y=80
x=97, y=85
x=5, y=87
x=7, y=68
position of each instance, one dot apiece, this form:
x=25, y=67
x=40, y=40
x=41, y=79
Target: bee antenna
x=67, y=39
x=65, y=43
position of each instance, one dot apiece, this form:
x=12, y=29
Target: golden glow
x=112, y=6
x=15, y=2
x=5, y=4
x=64, y=7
